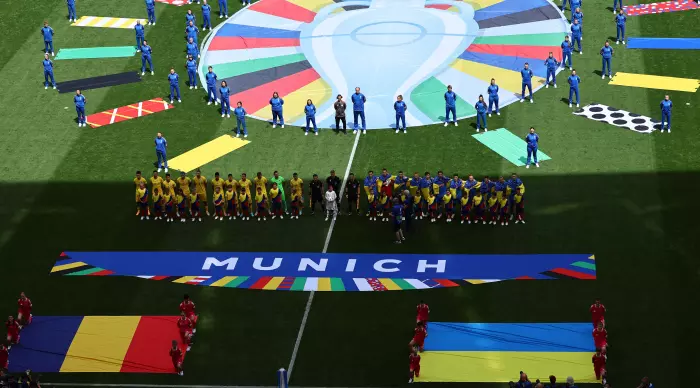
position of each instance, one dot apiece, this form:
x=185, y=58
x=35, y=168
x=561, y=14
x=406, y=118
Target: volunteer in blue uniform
x=552, y=65
x=563, y=5
x=397, y=217
x=358, y=110
x=607, y=53
x=191, y=66
x=146, y=52
x=666, y=106
x=620, y=21
x=192, y=49
x=566, y=49
x=532, y=139
x=400, y=108
x=225, y=93
x=206, y=16
x=450, y=106
x=578, y=15
x=574, y=81
x=576, y=35
x=140, y=35
x=80, y=101
x=492, y=91
x=310, y=113
x=151, y=11
x=71, y=10
x=240, y=119
x=481, y=109
x=277, y=115
x=575, y=4
x=617, y=4
x=191, y=32
x=47, y=33
x=174, y=81
x=161, y=152
x=223, y=9
x=48, y=72
x=189, y=17
x=211, y=85
x=526, y=75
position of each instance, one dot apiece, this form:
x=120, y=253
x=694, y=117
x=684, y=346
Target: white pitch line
x=325, y=249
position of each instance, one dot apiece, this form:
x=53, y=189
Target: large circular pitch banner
x=316, y=49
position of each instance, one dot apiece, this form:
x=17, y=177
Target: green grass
x=629, y=198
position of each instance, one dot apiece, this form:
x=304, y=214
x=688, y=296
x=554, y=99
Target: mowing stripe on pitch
x=206, y=153
x=689, y=85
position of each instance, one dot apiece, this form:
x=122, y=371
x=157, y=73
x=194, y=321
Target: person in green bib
x=280, y=184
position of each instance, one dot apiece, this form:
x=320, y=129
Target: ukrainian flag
x=496, y=352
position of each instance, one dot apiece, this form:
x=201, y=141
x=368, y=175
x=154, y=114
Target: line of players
x=600, y=339
x=14, y=326
x=187, y=324
x=416, y=344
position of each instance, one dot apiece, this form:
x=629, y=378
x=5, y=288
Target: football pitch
x=628, y=198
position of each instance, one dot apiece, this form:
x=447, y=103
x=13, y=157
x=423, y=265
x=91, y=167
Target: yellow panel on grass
x=389, y=284
x=478, y=4
x=106, y=22
x=274, y=283
x=312, y=5
x=62, y=267
x=318, y=91
x=205, y=153
x=656, y=82
x=223, y=281
x=324, y=284
x=506, y=79
x=100, y=344
x=504, y=366
x=184, y=279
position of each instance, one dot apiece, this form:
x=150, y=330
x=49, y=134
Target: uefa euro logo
x=317, y=49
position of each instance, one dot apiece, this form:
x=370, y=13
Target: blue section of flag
x=505, y=62
x=664, y=43
x=510, y=337
x=255, y=32
x=349, y=284
x=44, y=344
x=507, y=7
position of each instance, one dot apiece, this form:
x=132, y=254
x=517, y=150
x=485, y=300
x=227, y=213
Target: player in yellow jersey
x=230, y=182
x=260, y=181
x=137, y=182
x=247, y=185
x=183, y=183
x=169, y=185
x=218, y=199
x=418, y=205
x=503, y=210
x=181, y=202
x=200, y=184
x=156, y=181
x=168, y=201
x=465, y=209
x=448, y=205
x=194, y=204
x=384, y=204
x=231, y=198
x=432, y=206
x=519, y=201
x=413, y=184
x=372, y=203
x=244, y=202
x=157, y=204
x=296, y=183
x=479, y=205
x=276, y=201
x=261, y=204
x=493, y=209
x=218, y=182
x=142, y=199
x=297, y=201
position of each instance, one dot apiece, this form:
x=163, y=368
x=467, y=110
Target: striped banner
x=107, y=22
x=116, y=115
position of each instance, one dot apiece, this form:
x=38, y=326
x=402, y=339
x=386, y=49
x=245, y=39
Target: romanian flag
x=127, y=344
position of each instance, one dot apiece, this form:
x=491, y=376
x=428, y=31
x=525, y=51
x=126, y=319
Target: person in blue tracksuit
x=481, y=109
x=575, y=4
x=607, y=53
x=191, y=66
x=174, y=81
x=620, y=21
x=552, y=65
x=532, y=139
x=146, y=52
x=151, y=11
x=574, y=81
x=192, y=49
x=576, y=36
x=48, y=72
x=223, y=9
x=566, y=49
x=526, y=75
x=492, y=91
x=206, y=16
x=80, y=101
x=563, y=5
x=310, y=113
x=617, y=4
x=400, y=108
x=71, y=10
x=240, y=119
x=358, y=110
x=140, y=35
x=666, y=106
x=161, y=152
x=189, y=17
x=225, y=92
x=47, y=33
x=450, y=106
x=276, y=103
x=191, y=32
x=578, y=15
x=211, y=85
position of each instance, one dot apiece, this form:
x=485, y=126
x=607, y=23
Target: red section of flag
x=241, y=43
x=158, y=277
x=539, y=52
x=128, y=112
x=259, y=97
x=376, y=284
x=446, y=283
x=177, y=3
x=667, y=6
x=524, y=278
x=63, y=254
x=149, y=351
x=104, y=272
x=438, y=6
x=574, y=274
x=261, y=283
x=284, y=9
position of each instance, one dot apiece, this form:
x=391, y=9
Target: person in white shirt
x=331, y=205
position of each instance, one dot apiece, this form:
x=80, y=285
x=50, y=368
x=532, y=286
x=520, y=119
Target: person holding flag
x=552, y=65
x=574, y=81
x=48, y=72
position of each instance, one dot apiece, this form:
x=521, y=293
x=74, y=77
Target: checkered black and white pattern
x=619, y=118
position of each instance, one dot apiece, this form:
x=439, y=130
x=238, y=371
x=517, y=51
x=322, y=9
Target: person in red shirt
x=12, y=330
x=4, y=356
x=419, y=335
x=597, y=313
x=185, y=326
x=413, y=365
x=177, y=357
x=600, y=337
x=24, y=310
x=187, y=307
x=422, y=312
x=599, y=363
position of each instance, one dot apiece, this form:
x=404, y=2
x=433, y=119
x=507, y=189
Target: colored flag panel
x=148, y=351
x=100, y=344
x=177, y=3
x=689, y=85
x=536, y=52
x=128, y=112
x=44, y=344
x=666, y=6
x=107, y=22
x=204, y=154
x=284, y=9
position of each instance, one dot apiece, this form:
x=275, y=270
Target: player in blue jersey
x=191, y=66
x=492, y=91
x=146, y=52
x=552, y=65
x=211, y=85
x=526, y=75
x=48, y=72
x=80, y=101
x=240, y=119
x=358, y=109
x=397, y=216
x=192, y=49
x=620, y=21
x=310, y=113
x=481, y=109
x=450, y=106
x=607, y=53
x=225, y=93
x=47, y=33
x=400, y=107
x=666, y=106
x=174, y=81
x=191, y=32
x=189, y=17
x=566, y=49
x=206, y=16
x=574, y=81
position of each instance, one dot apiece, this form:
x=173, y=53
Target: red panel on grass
x=241, y=43
x=261, y=283
x=438, y=6
x=127, y=112
x=539, y=52
x=446, y=283
x=284, y=9
x=150, y=345
x=259, y=97
x=573, y=274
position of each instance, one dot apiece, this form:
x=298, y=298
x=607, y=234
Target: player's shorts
x=418, y=343
x=193, y=317
x=24, y=313
x=13, y=337
x=186, y=333
x=202, y=196
x=397, y=227
x=177, y=363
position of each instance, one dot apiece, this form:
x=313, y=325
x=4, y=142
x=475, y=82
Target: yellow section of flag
x=107, y=22
x=205, y=153
x=689, y=85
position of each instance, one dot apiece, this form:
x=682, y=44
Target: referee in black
x=408, y=209
x=316, y=194
x=334, y=181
